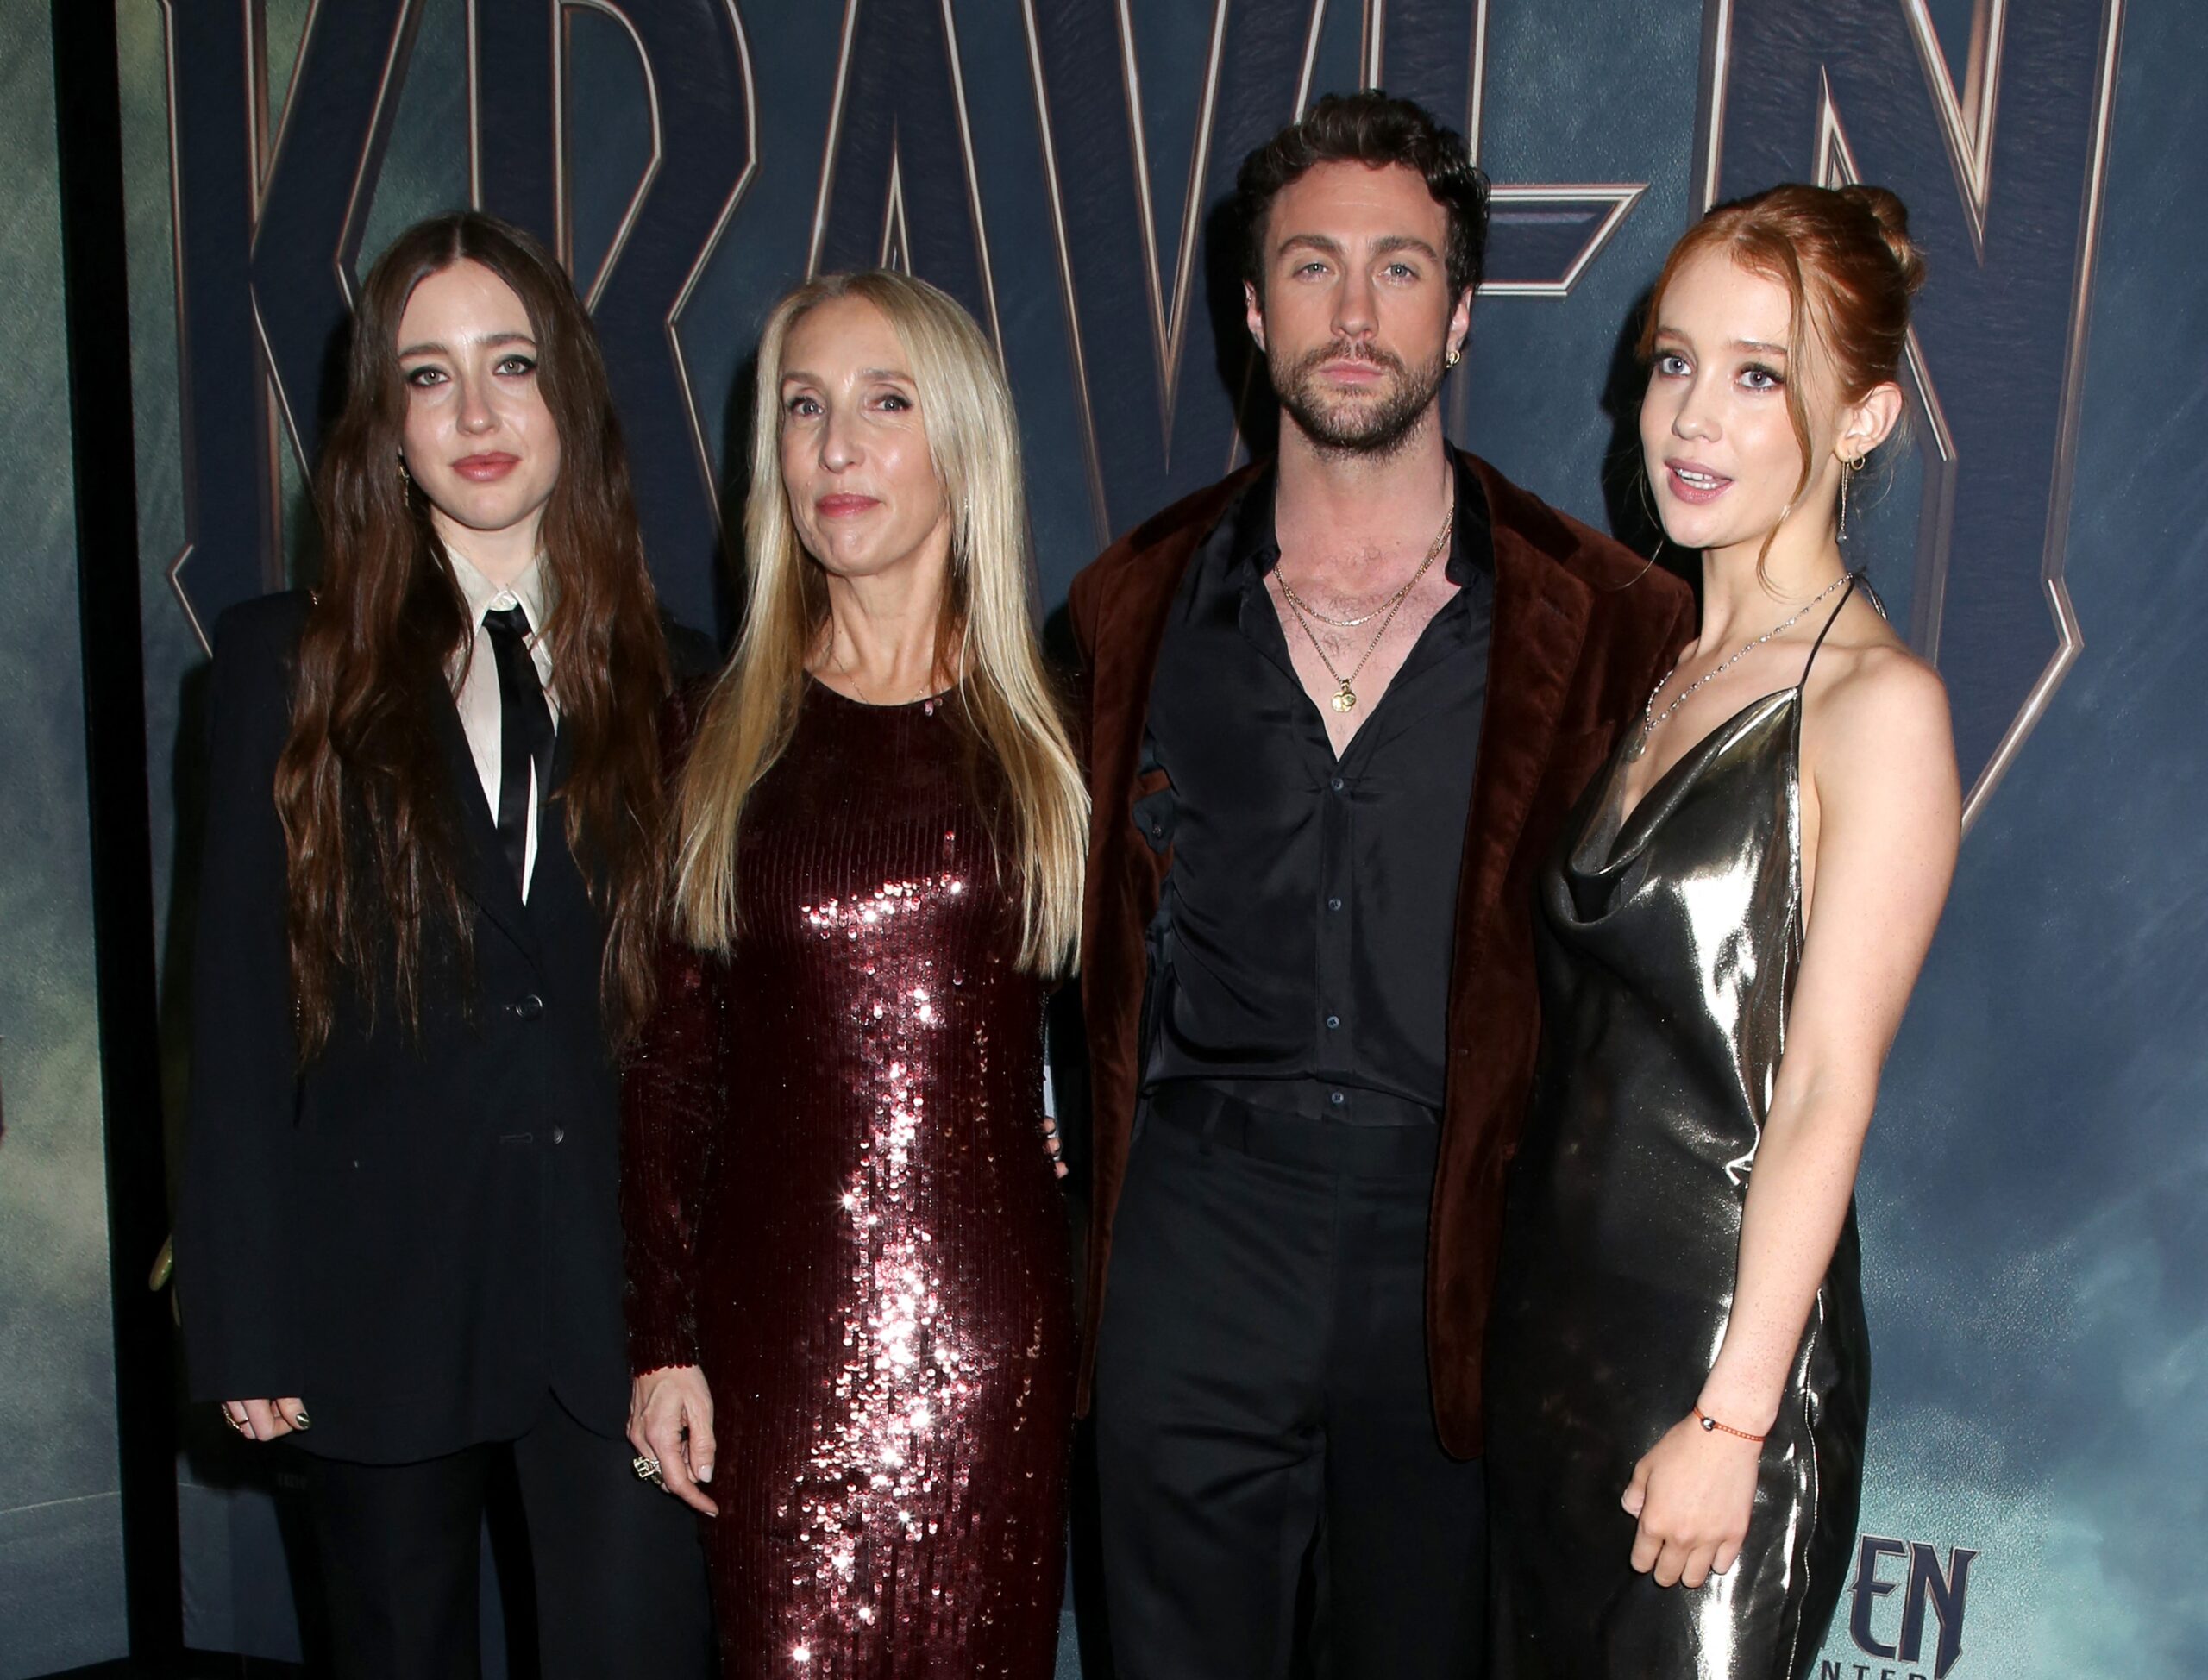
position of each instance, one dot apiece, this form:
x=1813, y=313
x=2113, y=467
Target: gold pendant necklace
x=1344, y=698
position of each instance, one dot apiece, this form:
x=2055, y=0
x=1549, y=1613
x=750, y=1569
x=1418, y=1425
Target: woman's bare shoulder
x=1878, y=739
x=1869, y=684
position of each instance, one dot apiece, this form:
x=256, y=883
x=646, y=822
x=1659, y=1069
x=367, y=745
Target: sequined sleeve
x=672, y=1096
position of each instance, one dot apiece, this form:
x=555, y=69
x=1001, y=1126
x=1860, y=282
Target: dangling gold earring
x=1646, y=566
x=1452, y=358
x=405, y=477
x=1848, y=469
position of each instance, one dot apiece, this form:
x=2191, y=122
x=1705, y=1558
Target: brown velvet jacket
x=1583, y=631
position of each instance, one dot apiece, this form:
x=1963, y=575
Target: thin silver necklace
x=1651, y=719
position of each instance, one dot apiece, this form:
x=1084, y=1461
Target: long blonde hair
x=985, y=633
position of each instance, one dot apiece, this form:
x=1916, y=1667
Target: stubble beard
x=1348, y=426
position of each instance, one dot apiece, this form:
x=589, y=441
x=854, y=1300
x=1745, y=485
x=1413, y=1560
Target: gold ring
x=647, y=1469
x=237, y=1424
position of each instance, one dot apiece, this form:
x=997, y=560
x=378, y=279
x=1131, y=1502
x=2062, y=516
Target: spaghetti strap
x=1854, y=578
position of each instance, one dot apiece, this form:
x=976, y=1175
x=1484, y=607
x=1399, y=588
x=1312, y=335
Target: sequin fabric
x=839, y=1204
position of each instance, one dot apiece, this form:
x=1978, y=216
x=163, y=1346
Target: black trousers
x=1274, y=1497
x=619, y=1576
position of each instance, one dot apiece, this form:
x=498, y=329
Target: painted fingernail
x=300, y=1421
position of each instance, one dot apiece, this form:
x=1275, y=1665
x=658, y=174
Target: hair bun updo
x=1887, y=210
x=1847, y=261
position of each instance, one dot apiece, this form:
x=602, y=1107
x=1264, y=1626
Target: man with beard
x=1338, y=707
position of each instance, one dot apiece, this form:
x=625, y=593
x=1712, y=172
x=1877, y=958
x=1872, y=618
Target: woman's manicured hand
x=671, y=1422
x=265, y=1419
x=1054, y=1144
x=1693, y=1493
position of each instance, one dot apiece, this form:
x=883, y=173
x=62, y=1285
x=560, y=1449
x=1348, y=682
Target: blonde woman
x=849, y=1310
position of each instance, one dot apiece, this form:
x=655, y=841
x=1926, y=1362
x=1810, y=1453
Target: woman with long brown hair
x=850, y=1311
x=425, y=927
x=1679, y=1371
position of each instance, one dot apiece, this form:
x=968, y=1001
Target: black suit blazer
x=418, y=1234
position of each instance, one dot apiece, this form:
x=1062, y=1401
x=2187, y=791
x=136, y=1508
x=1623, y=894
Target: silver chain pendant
x=1650, y=718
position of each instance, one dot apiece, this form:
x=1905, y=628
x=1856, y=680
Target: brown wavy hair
x=371, y=821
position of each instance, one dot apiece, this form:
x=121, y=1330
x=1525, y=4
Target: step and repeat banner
x=2030, y=1202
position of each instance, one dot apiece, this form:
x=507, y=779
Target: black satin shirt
x=1301, y=951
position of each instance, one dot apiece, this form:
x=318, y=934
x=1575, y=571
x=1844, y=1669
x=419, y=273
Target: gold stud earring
x=1648, y=503
x=1452, y=358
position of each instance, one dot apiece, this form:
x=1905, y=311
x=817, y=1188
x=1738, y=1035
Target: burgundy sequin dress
x=839, y=1204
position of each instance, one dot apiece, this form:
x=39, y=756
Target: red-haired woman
x=1678, y=1368
x=425, y=925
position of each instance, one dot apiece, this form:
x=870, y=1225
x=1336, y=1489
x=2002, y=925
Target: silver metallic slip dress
x=1669, y=944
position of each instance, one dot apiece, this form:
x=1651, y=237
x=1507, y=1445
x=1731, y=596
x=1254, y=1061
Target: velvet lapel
x=1129, y=629
x=483, y=876
x=1122, y=664
x=1127, y=596
x=1541, y=613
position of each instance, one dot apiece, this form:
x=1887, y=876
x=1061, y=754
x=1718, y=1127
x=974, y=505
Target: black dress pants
x=619, y=1576
x=1273, y=1494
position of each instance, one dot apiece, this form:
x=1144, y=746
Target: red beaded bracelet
x=1709, y=1423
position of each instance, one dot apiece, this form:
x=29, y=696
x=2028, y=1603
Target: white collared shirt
x=474, y=675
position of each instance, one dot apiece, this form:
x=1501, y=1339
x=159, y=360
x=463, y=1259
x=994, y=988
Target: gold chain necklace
x=1650, y=718
x=1310, y=611
x=1344, y=696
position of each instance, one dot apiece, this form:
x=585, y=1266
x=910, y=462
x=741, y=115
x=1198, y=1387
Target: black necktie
x=525, y=733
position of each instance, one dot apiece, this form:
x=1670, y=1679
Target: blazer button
x=559, y=1134
x=530, y=1007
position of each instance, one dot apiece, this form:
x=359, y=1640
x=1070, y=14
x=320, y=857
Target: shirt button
x=1333, y=904
x=1337, y=1099
x=1336, y=784
x=1334, y=1021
